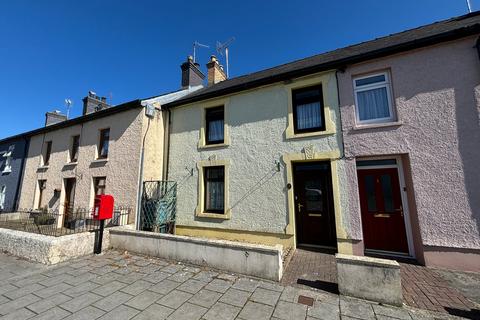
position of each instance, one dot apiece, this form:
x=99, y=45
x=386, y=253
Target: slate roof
x=423, y=36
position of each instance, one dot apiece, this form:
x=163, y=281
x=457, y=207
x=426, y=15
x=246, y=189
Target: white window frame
x=384, y=84
x=3, y=195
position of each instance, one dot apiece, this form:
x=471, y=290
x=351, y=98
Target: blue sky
x=52, y=50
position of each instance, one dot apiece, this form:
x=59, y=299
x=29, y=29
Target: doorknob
x=300, y=206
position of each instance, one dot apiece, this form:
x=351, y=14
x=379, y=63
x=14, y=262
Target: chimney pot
x=54, y=117
x=216, y=73
x=93, y=103
x=191, y=73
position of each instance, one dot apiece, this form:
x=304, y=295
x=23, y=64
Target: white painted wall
x=257, y=121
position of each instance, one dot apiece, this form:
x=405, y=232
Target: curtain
x=309, y=115
x=215, y=130
x=214, y=189
x=373, y=104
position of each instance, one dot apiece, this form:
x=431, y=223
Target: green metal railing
x=159, y=204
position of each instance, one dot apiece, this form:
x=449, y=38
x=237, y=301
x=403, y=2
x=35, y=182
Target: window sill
x=6, y=171
x=212, y=146
x=44, y=167
x=210, y=215
x=71, y=163
x=290, y=135
x=377, y=125
x=100, y=160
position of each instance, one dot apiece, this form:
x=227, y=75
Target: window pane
x=75, y=145
x=214, y=189
x=214, y=125
x=370, y=80
x=373, y=104
x=309, y=116
x=383, y=162
x=215, y=130
x=370, y=190
x=386, y=182
x=313, y=195
x=104, y=140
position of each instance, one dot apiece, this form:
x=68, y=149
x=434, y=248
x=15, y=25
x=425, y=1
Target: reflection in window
x=313, y=195
x=386, y=182
x=370, y=190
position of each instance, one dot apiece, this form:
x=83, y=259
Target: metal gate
x=159, y=203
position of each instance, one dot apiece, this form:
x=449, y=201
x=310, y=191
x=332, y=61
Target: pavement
x=119, y=286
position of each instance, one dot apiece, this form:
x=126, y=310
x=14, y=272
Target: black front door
x=314, y=210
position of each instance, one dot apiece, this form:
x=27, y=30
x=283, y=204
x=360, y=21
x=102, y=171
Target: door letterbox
x=103, y=208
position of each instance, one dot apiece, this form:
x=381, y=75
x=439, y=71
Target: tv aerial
x=221, y=47
x=68, y=104
x=196, y=45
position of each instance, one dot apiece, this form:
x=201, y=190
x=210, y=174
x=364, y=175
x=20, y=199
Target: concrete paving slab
x=255, y=311
x=154, y=312
x=235, y=297
x=221, y=311
x=290, y=311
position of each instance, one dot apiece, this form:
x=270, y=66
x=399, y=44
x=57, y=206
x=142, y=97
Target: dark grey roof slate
x=446, y=30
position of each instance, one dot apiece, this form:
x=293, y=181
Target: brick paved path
x=422, y=287
x=118, y=286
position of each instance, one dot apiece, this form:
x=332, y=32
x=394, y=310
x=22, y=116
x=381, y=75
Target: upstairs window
x=74, y=148
x=99, y=185
x=7, y=163
x=214, y=120
x=47, y=152
x=373, y=98
x=308, y=113
x=103, y=143
x=214, y=178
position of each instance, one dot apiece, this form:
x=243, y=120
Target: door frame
x=330, y=172
x=403, y=196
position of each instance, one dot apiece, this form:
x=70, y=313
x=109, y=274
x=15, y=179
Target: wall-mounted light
x=277, y=165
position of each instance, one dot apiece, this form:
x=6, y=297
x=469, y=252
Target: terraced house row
x=370, y=149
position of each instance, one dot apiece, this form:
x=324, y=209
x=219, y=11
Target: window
x=3, y=191
x=47, y=152
x=308, y=113
x=99, y=185
x=214, y=178
x=103, y=143
x=42, y=185
x=74, y=148
x=214, y=119
x=373, y=98
x=7, y=167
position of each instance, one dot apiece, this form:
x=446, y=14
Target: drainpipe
x=342, y=155
x=166, y=145
x=477, y=46
x=140, y=179
x=20, y=179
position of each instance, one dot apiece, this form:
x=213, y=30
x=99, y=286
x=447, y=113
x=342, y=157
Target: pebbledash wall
x=436, y=94
x=258, y=134
x=124, y=152
x=12, y=156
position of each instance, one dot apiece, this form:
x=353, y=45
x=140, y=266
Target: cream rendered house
x=109, y=149
x=259, y=159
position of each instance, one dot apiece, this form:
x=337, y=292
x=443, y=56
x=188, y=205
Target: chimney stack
x=93, y=103
x=54, y=117
x=191, y=74
x=215, y=71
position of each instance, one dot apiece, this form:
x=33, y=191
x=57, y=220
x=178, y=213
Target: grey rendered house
x=12, y=159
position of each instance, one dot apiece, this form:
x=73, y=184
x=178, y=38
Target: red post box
x=103, y=208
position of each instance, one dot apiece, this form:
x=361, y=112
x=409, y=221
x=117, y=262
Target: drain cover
x=305, y=300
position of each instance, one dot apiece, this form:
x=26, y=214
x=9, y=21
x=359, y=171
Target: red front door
x=382, y=212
